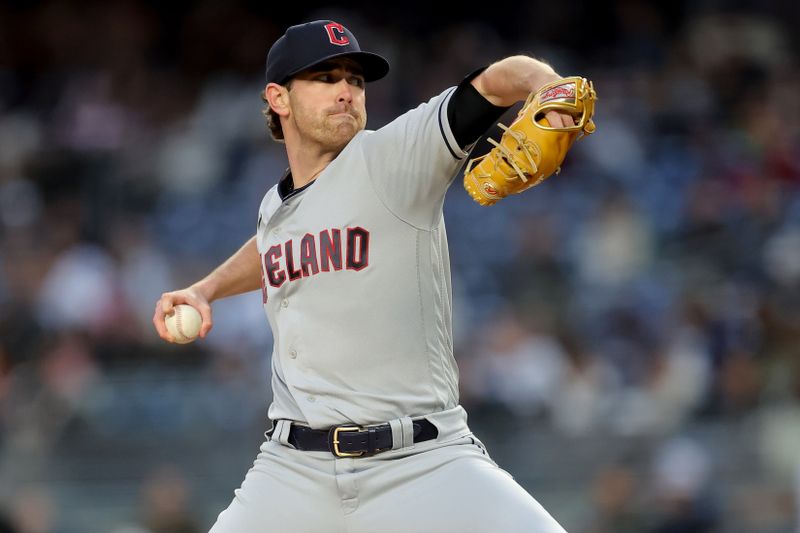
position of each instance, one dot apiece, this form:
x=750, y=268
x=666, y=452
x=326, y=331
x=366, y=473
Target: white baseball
x=184, y=324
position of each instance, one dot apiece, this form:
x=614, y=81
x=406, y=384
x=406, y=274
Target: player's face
x=327, y=103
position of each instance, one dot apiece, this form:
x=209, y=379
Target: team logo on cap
x=336, y=34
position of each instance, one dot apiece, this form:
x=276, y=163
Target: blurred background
x=628, y=333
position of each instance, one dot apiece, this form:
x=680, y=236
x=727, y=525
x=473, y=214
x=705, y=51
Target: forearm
x=512, y=79
x=238, y=274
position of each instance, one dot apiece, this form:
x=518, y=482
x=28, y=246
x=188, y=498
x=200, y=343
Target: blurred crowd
x=653, y=286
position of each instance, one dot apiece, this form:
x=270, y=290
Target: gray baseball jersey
x=356, y=279
x=356, y=287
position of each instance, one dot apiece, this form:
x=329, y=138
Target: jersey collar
x=286, y=186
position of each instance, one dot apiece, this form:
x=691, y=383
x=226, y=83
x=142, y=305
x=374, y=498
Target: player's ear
x=277, y=97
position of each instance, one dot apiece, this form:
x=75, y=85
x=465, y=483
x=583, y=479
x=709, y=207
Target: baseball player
x=351, y=258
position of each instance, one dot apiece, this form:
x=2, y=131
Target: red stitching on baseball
x=178, y=324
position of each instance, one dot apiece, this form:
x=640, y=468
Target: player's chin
x=344, y=122
x=343, y=132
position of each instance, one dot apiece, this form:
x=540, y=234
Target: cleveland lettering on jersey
x=330, y=249
x=293, y=260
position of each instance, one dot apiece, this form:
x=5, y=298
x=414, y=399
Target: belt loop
x=402, y=433
x=281, y=432
x=408, y=431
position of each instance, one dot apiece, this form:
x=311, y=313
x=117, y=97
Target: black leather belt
x=354, y=441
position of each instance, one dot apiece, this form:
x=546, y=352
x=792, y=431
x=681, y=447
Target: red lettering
x=314, y=257
x=330, y=249
x=308, y=256
x=559, y=91
x=293, y=272
x=357, y=248
x=275, y=275
x=336, y=34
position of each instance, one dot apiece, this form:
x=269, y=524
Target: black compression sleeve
x=469, y=113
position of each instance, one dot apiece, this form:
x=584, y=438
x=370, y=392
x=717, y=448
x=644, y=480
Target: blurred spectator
x=165, y=497
x=586, y=400
x=779, y=435
x=681, y=473
x=46, y=396
x=84, y=274
x=614, y=247
x=516, y=368
x=34, y=510
x=614, y=495
x=675, y=384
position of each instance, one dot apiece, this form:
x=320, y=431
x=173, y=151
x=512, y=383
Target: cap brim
x=374, y=66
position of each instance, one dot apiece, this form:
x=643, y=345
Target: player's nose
x=344, y=92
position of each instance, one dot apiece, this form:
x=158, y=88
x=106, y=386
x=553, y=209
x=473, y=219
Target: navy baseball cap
x=305, y=45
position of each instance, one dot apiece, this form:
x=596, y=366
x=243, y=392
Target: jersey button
x=293, y=354
x=311, y=399
x=276, y=231
x=284, y=303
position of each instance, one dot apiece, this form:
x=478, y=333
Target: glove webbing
x=508, y=155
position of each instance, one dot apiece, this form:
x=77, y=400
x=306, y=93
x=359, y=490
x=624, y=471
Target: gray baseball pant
x=449, y=484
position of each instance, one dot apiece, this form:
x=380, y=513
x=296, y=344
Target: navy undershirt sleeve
x=470, y=114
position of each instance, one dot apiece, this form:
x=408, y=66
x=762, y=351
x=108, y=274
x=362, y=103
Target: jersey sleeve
x=412, y=160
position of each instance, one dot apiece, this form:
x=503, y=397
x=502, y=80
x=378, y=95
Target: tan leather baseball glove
x=530, y=150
